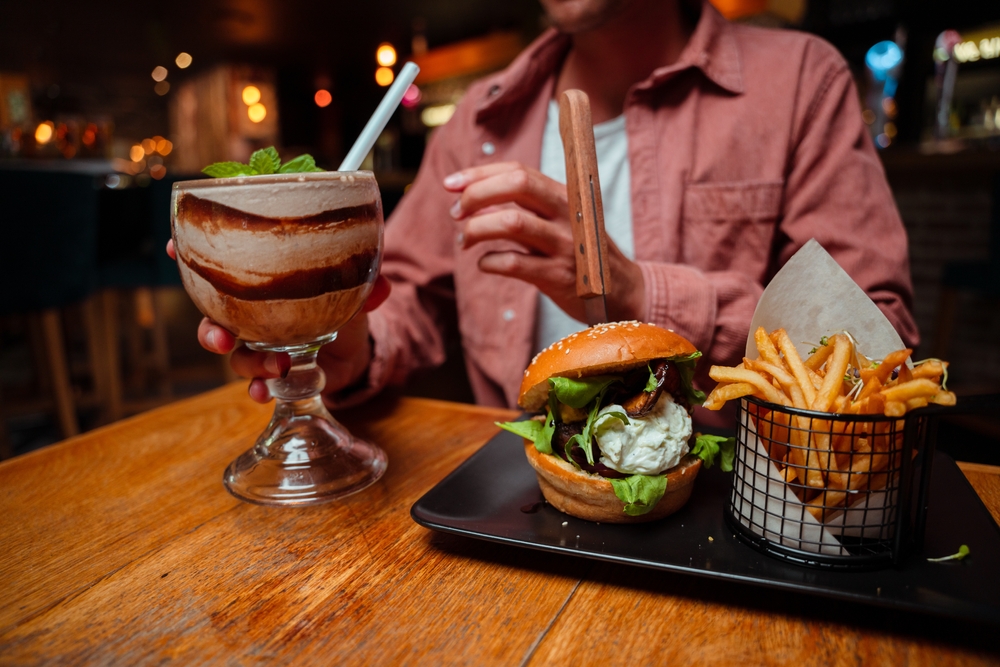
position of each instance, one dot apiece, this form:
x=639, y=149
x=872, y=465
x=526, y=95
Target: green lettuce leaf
x=578, y=393
x=538, y=432
x=586, y=439
x=603, y=422
x=707, y=447
x=685, y=367
x=651, y=382
x=640, y=493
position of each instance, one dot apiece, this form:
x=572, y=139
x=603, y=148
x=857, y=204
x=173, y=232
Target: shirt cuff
x=680, y=298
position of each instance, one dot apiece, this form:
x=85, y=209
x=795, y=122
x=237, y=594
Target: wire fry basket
x=830, y=490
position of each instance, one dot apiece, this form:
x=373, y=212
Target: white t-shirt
x=611, y=143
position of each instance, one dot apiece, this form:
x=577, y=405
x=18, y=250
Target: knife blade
x=583, y=187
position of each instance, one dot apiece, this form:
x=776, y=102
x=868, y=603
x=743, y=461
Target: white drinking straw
x=377, y=122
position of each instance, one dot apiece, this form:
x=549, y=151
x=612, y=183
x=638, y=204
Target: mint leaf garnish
x=228, y=170
x=963, y=551
x=263, y=162
x=300, y=165
x=640, y=493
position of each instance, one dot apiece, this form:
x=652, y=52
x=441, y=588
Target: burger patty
x=632, y=396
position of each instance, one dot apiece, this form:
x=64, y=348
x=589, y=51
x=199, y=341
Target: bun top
x=615, y=347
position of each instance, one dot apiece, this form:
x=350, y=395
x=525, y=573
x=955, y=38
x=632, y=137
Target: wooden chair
x=47, y=263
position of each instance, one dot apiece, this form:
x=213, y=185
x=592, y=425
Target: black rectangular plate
x=483, y=498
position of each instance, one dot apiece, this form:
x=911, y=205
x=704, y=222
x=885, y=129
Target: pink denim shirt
x=746, y=148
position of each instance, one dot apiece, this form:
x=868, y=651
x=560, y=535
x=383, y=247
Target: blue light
x=882, y=58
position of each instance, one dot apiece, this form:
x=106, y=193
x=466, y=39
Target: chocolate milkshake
x=279, y=260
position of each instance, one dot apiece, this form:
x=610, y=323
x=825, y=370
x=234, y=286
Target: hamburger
x=613, y=441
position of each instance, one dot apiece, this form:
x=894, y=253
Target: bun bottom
x=591, y=497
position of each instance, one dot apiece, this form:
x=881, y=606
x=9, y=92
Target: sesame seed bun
x=613, y=348
x=591, y=497
x=616, y=347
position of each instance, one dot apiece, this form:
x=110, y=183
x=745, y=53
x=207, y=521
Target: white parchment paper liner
x=811, y=297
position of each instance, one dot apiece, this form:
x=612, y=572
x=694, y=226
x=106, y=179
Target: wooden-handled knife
x=585, y=207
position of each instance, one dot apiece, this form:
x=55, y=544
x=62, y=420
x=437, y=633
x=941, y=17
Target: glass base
x=304, y=456
x=304, y=460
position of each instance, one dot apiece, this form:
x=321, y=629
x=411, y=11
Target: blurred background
x=104, y=105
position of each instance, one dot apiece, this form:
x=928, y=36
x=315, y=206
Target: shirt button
x=489, y=148
x=494, y=90
x=508, y=315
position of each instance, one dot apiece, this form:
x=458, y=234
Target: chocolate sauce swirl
x=356, y=270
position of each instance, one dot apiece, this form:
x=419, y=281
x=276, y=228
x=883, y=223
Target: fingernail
x=460, y=239
x=456, y=209
x=210, y=339
x=284, y=364
x=454, y=180
x=271, y=364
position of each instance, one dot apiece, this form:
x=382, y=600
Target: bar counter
x=121, y=546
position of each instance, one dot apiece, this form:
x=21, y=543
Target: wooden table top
x=121, y=546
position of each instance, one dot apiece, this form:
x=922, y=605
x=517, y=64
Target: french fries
x=830, y=463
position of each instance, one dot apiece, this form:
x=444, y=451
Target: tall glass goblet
x=283, y=262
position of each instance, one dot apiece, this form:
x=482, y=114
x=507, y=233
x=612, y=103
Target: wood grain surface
x=121, y=546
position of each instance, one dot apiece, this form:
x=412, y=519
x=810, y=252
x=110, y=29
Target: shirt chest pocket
x=730, y=225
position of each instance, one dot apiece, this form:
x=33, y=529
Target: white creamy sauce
x=646, y=445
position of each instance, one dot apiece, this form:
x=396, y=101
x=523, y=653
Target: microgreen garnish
x=262, y=162
x=944, y=370
x=963, y=551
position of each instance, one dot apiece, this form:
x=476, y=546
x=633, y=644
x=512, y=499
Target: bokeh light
x=164, y=146
x=136, y=153
x=44, y=132
x=384, y=76
x=257, y=112
x=159, y=73
x=386, y=55
x=183, y=60
x=148, y=146
x=437, y=115
x=251, y=95
x=162, y=88
x=89, y=135
x=889, y=106
x=323, y=98
x=411, y=97
x=158, y=171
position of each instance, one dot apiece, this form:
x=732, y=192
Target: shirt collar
x=712, y=49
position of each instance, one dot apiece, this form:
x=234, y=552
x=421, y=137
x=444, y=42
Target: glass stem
x=300, y=388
